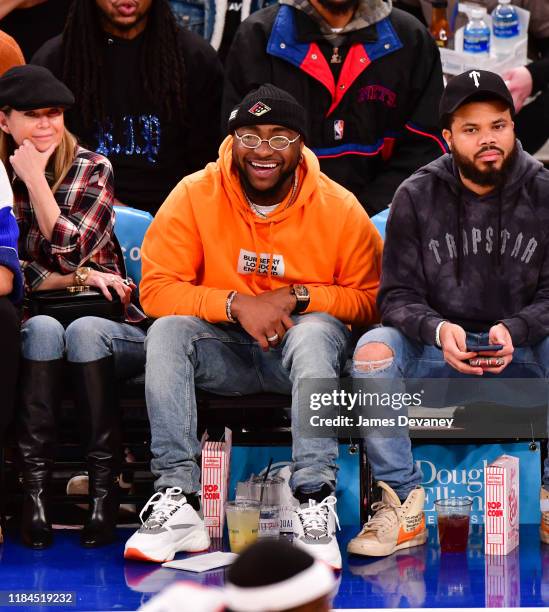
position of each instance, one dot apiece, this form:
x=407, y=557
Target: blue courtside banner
x=456, y=470
x=246, y=460
x=449, y=470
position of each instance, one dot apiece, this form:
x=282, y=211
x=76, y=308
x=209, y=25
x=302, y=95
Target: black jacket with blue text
x=372, y=124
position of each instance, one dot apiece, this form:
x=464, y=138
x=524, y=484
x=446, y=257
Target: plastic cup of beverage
x=453, y=523
x=244, y=490
x=268, y=492
x=269, y=522
x=242, y=523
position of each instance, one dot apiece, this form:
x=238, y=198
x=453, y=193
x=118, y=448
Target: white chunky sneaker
x=173, y=526
x=315, y=530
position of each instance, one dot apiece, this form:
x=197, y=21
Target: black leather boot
x=97, y=399
x=40, y=396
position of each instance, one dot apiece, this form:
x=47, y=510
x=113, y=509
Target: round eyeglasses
x=252, y=141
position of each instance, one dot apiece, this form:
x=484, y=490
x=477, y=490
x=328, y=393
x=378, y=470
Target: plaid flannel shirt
x=83, y=232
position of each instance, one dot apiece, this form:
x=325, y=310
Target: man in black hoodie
x=466, y=263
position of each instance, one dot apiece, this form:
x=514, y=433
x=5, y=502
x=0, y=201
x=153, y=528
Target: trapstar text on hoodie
x=479, y=241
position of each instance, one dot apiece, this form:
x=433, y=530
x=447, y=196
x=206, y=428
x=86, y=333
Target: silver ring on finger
x=272, y=338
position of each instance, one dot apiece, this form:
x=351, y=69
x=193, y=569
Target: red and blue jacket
x=373, y=118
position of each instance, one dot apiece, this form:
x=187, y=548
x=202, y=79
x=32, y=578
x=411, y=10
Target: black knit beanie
x=269, y=105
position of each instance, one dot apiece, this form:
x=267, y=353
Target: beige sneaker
x=544, y=507
x=394, y=526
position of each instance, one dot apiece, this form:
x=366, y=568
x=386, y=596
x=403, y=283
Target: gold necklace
x=261, y=214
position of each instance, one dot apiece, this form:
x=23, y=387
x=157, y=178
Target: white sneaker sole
x=358, y=547
x=195, y=541
x=335, y=563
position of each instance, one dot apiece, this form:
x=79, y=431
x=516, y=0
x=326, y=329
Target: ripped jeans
x=391, y=458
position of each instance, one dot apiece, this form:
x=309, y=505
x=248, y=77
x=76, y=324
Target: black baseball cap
x=471, y=84
x=30, y=87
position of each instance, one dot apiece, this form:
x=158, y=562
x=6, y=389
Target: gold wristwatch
x=81, y=275
x=302, y=298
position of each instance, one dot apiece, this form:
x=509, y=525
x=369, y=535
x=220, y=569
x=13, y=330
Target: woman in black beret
x=63, y=201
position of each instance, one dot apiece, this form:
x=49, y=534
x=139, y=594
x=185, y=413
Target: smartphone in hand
x=484, y=348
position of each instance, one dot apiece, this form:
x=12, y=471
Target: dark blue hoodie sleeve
x=8, y=251
x=402, y=297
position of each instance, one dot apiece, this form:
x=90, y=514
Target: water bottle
x=476, y=37
x=505, y=27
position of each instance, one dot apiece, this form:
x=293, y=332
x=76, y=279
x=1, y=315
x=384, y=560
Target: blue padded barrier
x=380, y=220
x=130, y=227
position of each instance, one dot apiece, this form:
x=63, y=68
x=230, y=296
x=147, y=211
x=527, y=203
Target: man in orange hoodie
x=253, y=267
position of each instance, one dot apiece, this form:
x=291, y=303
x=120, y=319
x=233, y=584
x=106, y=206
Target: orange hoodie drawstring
x=271, y=256
x=251, y=220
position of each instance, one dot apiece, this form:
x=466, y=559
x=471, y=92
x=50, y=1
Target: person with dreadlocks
x=147, y=93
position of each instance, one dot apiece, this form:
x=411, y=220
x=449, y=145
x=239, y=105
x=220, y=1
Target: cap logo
x=259, y=108
x=233, y=114
x=475, y=76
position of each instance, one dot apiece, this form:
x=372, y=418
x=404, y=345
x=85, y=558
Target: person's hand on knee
x=263, y=320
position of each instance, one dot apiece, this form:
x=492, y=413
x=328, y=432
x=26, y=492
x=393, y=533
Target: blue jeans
x=86, y=339
x=391, y=458
x=225, y=359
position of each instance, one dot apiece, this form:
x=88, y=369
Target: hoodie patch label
x=247, y=262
